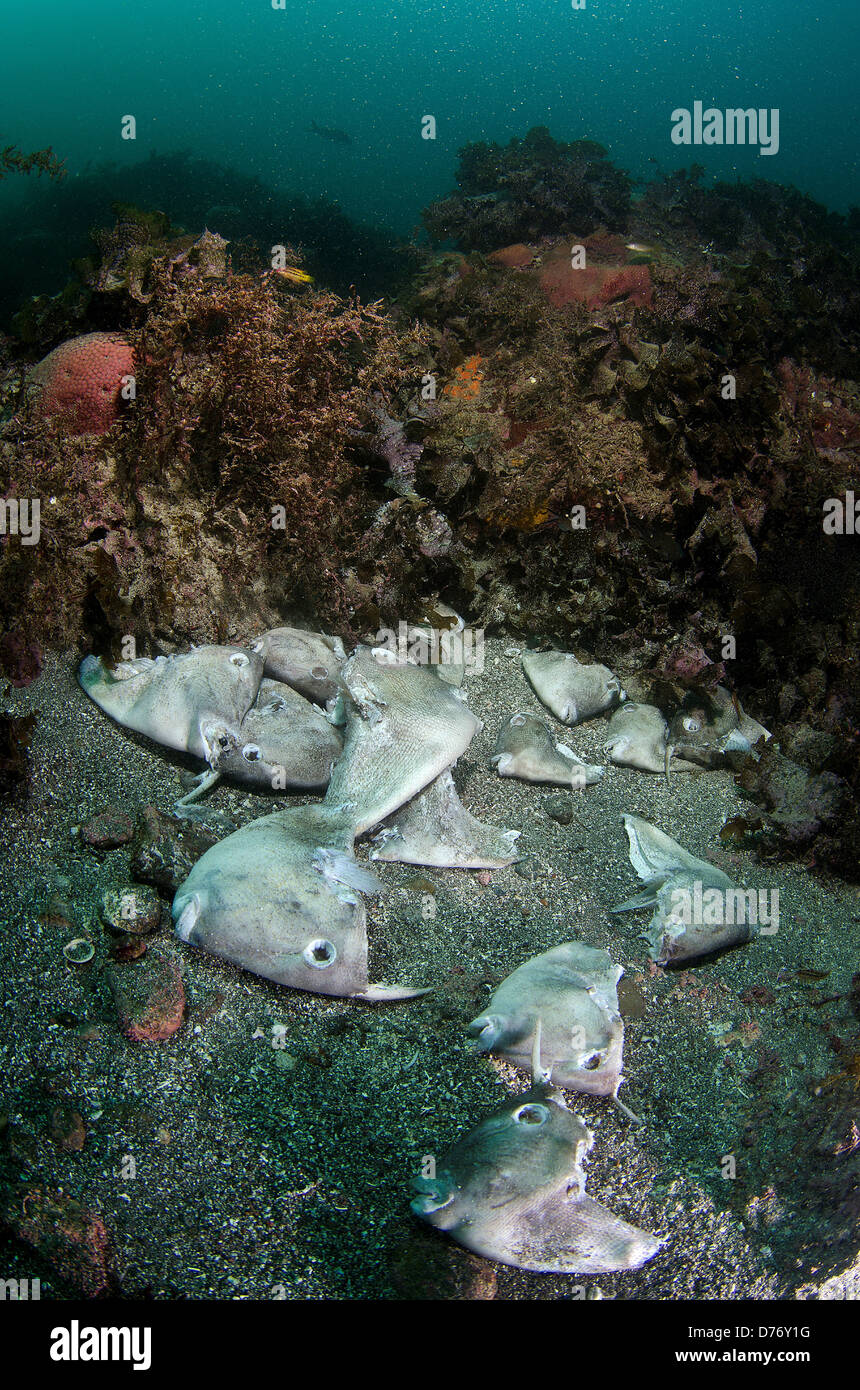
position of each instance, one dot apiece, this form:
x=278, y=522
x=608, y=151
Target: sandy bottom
x=266, y=1171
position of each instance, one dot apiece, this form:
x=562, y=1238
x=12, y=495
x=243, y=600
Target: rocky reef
x=528, y=188
x=596, y=421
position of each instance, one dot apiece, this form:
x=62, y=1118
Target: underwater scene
x=429, y=687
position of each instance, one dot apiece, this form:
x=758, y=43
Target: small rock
x=134, y=909
x=72, y=1239
x=424, y=1268
x=109, y=830
x=58, y=912
x=88, y=1032
x=124, y=947
x=149, y=997
x=166, y=850
x=67, y=1128
x=559, y=807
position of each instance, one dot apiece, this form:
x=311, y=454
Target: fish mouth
x=434, y=1194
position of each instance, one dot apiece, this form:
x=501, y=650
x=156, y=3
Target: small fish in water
x=436, y=829
x=194, y=702
x=709, y=725
x=337, y=137
x=280, y=897
x=308, y=661
x=573, y=990
x=294, y=275
x=284, y=742
x=404, y=727
x=526, y=749
x=513, y=1190
x=697, y=908
x=571, y=690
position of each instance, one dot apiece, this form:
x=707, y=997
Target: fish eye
x=320, y=953
x=691, y=724
x=223, y=741
x=591, y=1063
x=251, y=753
x=517, y=720
x=258, y=645
x=239, y=659
x=319, y=673
x=531, y=1115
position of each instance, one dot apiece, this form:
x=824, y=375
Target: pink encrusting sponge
x=81, y=381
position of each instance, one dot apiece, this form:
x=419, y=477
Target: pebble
x=149, y=997
x=109, y=830
x=67, y=1128
x=134, y=909
x=559, y=807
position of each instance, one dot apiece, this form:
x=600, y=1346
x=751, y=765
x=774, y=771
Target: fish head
x=281, y=898
x=322, y=952
x=285, y=741
x=513, y=1189
x=310, y=662
x=532, y=1143
x=258, y=900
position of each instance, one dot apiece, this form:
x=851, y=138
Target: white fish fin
x=735, y=742
x=338, y=867
x=387, y=994
x=645, y=899
x=202, y=783
x=187, y=919
x=541, y=1075
x=655, y=855
x=335, y=710
x=625, y=1109
x=592, y=772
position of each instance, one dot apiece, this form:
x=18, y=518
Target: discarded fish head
x=280, y=897
x=194, y=702
x=573, y=690
x=571, y=990
x=513, y=1190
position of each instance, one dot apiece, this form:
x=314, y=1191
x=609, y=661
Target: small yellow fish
x=296, y=276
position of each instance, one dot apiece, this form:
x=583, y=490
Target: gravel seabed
x=282, y=1171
